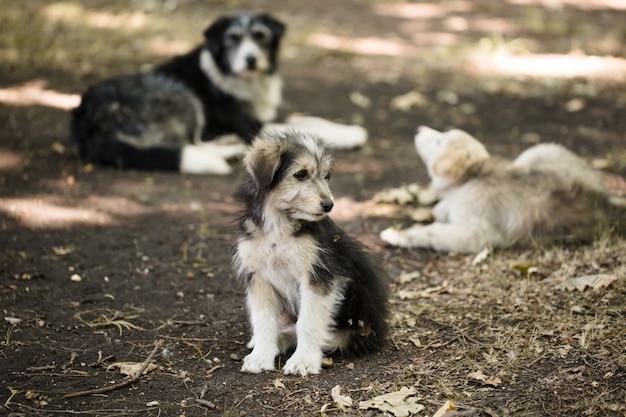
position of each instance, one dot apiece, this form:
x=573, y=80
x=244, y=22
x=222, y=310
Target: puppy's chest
x=278, y=257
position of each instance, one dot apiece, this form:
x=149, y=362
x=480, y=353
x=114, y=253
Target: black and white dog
x=308, y=284
x=163, y=119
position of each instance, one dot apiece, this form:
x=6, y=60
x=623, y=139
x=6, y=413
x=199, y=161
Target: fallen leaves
x=411, y=100
x=340, y=401
x=132, y=368
x=592, y=281
x=485, y=379
x=400, y=403
x=407, y=194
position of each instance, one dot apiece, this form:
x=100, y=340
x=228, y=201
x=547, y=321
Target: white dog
x=546, y=194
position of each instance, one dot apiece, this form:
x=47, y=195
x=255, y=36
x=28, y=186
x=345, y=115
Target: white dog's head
x=448, y=155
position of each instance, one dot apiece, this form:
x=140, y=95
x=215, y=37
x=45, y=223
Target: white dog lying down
x=546, y=194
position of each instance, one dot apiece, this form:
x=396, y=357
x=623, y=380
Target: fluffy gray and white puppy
x=309, y=285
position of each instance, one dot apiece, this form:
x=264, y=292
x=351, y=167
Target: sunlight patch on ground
x=34, y=93
x=580, y=4
x=347, y=209
x=412, y=10
x=37, y=213
x=9, y=160
x=362, y=46
x=46, y=212
x=549, y=65
x=72, y=13
x=168, y=48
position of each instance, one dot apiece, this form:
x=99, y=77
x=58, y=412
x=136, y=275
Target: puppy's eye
x=327, y=177
x=234, y=37
x=301, y=175
x=259, y=36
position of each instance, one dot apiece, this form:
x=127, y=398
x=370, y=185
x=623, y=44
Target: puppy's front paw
x=300, y=364
x=412, y=237
x=256, y=363
x=392, y=236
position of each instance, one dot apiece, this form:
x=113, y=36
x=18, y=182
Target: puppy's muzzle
x=327, y=206
x=251, y=61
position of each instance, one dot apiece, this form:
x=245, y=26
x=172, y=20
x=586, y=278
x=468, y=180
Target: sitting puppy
x=546, y=194
x=308, y=284
x=161, y=119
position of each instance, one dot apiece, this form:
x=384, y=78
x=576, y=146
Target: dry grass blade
x=108, y=317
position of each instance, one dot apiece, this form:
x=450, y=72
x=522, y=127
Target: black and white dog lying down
x=168, y=118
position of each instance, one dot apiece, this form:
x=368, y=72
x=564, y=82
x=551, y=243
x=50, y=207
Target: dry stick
x=126, y=383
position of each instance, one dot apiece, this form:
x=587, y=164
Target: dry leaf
x=422, y=214
x=408, y=101
x=63, y=250
x=591, y=281
x=340, y=402
x=360, y=100
x=131, y=368
x=425, y=293
x=489, y=380
x=405, y=194
x=13, y=320
x=408, y=276
x=427, y=196
x=575, y=105
x=400, y=403
x=481, y=256
x=279, y=384
x=447, y=406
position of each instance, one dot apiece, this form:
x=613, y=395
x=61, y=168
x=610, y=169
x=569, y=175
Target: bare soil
x=98, y=265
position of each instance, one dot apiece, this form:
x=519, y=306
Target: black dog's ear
x=276, y=26
x=213, y=34
x=263, y=162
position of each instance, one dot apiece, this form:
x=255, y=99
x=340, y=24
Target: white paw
x=209, y=158
x=336, y=135
x=391, y=236
x=257, y=363
x=303, y=364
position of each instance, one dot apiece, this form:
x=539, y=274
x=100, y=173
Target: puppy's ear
x=450, y=166
x=459, y=156
x=276, y=26
x=262, y=163
x=213, y=34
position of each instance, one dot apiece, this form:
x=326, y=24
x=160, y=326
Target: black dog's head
x=245, y=44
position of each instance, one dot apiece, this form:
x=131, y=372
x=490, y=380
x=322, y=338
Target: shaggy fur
x=546, y=194
x=161, y=119
x=308, y=284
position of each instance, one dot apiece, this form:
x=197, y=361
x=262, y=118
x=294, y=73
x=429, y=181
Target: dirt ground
x=98, y=266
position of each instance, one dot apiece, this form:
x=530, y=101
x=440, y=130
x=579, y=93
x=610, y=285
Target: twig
x=199, y=339
x=126, y=383
x=215, y=368
x=455, y=328
x=207, y=404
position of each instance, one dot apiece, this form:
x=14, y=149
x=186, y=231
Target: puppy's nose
x=251, y=62
x=327, y=206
